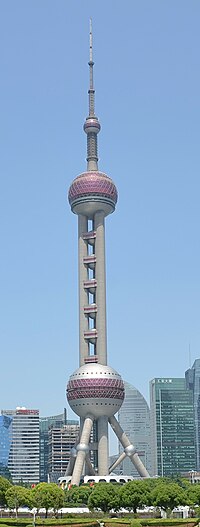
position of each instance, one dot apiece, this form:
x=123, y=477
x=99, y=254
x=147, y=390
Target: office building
x=61, y=442
x=23, y=458
x=192, y=377
x=134, y=418
x=172, y=427
x=5, y=444
x=45, y=424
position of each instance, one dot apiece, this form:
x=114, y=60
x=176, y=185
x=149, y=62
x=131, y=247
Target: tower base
x=80, y=459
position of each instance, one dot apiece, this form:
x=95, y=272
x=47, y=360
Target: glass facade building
x=23, y=459
x=134, y=418
x=172, y=427
x=5, y=442
x=192, y=377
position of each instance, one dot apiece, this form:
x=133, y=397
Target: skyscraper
x=192, y=377
x=5, y=443
x=172, y=427
x=57, y=435
x=134, y=418
x=95, y=391
x=45, y=424
x=23, y=459
x=61, y=440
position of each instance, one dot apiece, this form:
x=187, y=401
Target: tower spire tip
x=91, y=50
x=91, y=125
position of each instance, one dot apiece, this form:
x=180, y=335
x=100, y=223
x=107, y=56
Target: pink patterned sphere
x=92, y=191
x=95, y=389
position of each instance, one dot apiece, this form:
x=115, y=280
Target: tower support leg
x=128, y=447
x=70, y=466
x=103, y=446
x=117, y=462
x=82, y=450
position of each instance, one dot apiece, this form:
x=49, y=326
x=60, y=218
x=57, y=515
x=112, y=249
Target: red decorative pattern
x=95, y=388
x=90, y=183
x=95, y=394
x=79, y=383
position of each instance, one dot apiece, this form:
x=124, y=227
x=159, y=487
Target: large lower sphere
x=95, y=389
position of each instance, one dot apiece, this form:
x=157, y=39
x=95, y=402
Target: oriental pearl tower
x=95, y=391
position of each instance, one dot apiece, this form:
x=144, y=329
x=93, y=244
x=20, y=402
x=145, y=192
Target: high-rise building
x=172, y=427
x=23, y=459
x=134, y=418
x=5, y=443
x=192, y=377
x=95, y=391
x=45, y=424
x=61, y=442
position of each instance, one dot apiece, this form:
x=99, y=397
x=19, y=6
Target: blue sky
x=147, y=82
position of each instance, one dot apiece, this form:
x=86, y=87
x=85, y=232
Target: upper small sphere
x=95, y=389
x=92, y=125
x=91, y=192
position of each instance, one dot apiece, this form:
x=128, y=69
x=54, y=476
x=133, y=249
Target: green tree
x=17, y=496
x=77, y=496
x=4, y=486
x=104, y=496
x=48, y=496
x=167, y=496
x=194, y=495
x=134, y=494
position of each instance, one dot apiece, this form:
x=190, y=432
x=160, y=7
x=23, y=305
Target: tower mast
x=91, y=90
x=91, y=126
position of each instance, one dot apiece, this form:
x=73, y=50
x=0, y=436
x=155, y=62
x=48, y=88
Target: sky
x=147, y=81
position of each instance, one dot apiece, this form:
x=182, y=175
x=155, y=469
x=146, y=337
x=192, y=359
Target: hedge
x=168, y=522
x=69, y=520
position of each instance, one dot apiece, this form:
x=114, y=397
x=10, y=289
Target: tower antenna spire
x=91, y=64
x=91, y=125
x=90, y=40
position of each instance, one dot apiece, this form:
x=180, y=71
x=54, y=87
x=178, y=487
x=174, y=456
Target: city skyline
x=164, y=437
x=149, y=108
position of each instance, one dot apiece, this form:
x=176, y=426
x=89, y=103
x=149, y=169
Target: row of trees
x=160, y=492
x=43, y=495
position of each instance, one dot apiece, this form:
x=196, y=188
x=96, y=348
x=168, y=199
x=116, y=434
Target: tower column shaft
x=92, y=153
x=83, y=297
x=82, y=451
x=91, y=471
x=103, y=446
x=100, y=274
